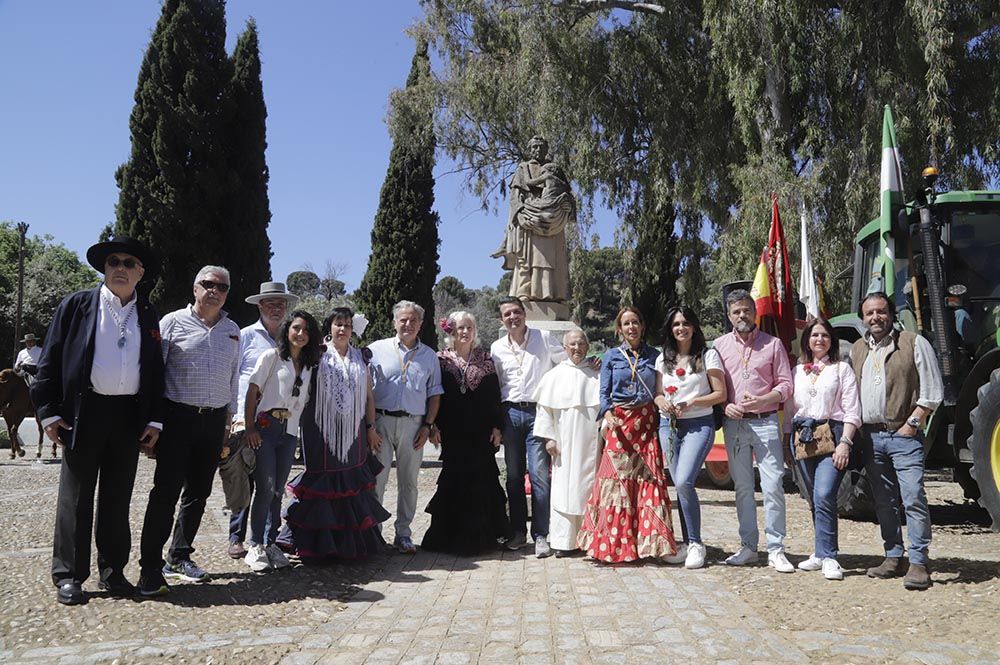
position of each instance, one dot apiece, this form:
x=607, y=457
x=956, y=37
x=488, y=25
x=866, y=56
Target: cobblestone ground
x=505, y=607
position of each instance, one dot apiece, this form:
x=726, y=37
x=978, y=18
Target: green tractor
x=946, y=286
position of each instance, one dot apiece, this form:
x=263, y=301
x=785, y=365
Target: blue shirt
x=618, y=387
x=396, y=390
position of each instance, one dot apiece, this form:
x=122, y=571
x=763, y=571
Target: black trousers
x=102, y=461
x=187, y=456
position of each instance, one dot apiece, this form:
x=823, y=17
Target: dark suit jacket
x=68, y=356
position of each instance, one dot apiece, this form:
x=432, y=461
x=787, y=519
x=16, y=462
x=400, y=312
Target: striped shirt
x=201, y=364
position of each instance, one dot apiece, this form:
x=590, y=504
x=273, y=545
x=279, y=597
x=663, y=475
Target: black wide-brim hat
x=98, y=255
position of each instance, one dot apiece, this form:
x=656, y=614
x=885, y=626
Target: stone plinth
x=540, y=310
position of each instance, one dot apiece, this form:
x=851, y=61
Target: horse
x=15, y=405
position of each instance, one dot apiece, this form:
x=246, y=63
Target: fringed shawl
x=342, y=393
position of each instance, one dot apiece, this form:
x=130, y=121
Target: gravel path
x=507, y=607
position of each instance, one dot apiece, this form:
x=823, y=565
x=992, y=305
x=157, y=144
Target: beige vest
x=902, y=383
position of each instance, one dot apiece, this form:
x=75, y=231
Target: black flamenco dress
x=334, y=513
x=468, y=510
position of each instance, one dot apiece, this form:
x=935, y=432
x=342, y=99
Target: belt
x=280, y=414
x=521, y=405
x=197, y=409
x=758, y=416
x=395, y=414
x=879, y=427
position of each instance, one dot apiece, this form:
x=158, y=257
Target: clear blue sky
x=67, y=79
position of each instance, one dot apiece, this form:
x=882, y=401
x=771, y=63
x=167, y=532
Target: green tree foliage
x=195, y=185
x=51, y=272
x=599, y=279
x=174, y=187
x=303, y=283
x=404, y=259
x=685, y=116
x=247, y=249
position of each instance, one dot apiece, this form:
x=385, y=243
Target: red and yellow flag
x=772, y=285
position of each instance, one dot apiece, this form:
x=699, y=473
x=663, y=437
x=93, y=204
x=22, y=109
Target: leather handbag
x=822, y=442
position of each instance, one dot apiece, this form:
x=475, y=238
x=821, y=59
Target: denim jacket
x=618, y=388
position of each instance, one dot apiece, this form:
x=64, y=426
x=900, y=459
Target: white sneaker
x=779, y=562
x=743, y=556
x=677, y=557
x=812, y=563
x=542, y=548
x=276, y=557
x=257, y=559
x=695, y=556
x=832, y=570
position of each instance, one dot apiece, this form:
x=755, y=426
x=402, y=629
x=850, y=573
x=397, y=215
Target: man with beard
x=900, y=386
x=273, y=301
x=758, y=380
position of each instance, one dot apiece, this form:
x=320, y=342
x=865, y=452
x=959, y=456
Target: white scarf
x=342, y=393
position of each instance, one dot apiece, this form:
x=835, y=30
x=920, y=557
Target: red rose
x=671, y=390
x=680, y=371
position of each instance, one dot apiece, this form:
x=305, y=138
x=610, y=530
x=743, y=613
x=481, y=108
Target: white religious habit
x=568, y=398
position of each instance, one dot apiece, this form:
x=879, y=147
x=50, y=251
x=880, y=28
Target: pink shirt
x=754, y=368
x=836, y=395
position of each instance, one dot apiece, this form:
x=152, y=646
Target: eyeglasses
x=208, y=285
x=296, y=386
x=114, y=262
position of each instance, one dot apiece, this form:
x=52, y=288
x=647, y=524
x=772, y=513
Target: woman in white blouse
x=826, y=390
x=693, y=382
x=278, y=391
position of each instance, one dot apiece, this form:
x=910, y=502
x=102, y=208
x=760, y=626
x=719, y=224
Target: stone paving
x=508, y=607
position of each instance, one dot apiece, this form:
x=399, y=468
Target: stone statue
x=534, y=245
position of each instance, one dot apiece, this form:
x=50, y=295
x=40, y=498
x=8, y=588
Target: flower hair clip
x=447, y=325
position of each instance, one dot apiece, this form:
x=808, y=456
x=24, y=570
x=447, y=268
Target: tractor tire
x=718, y=475
x=984, y=444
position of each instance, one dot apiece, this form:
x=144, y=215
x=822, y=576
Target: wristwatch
x=913, y=422
x=370, y=425
x=429, y=425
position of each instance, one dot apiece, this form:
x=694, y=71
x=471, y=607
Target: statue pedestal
x=540, y=310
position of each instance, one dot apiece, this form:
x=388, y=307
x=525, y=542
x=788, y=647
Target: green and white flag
x=892, y=198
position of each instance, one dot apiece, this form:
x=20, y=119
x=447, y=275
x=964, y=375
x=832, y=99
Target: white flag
x=808, y=292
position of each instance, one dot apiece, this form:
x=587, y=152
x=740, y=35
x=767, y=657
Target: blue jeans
x=521, y=446
x=895, y=466
x=274, y=463
x=691, y=447
x=745, y=441
x=822, y=482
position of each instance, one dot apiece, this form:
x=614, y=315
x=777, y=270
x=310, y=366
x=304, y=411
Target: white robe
x=568, y=398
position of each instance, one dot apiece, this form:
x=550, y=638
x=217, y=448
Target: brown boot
x=891, y=567
x=917, y=577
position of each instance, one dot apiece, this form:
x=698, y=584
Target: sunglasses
x=114, y=262
x=208, y=285
x=296, y=386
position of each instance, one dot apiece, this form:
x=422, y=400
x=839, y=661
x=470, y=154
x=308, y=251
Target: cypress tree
x=174, y=187
x=247, y=251
x=404, y=259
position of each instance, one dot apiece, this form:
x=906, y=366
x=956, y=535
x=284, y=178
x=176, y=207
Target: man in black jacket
x=98, y=394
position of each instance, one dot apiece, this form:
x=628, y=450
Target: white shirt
x=254, y=340
x=276, y=379
x=28, y=356
x=520, y=368
x=116, y=368
x=691, y=384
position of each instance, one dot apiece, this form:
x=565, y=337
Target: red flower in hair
x=447, y=326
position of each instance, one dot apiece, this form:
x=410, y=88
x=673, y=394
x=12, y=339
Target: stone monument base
x=542, y=310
